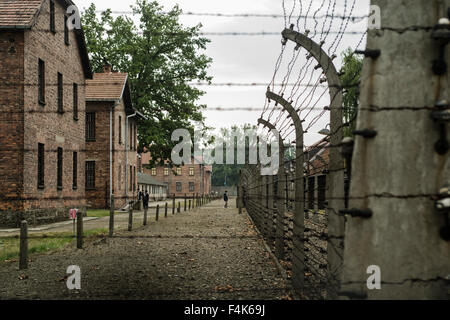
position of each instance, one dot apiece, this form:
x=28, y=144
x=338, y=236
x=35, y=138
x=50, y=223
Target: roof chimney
x=107, y=68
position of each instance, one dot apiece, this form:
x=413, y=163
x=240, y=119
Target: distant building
x=157, y=190
x=43, y=69
x=188, y=179
x=111, y=140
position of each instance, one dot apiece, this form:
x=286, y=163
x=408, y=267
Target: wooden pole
x=130, y=217
x=79, y=230
x=111, y=217
x=23, y=261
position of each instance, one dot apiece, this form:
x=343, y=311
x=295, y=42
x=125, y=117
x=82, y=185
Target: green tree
x=350, y=75
x=161, y=57
x=228, y=174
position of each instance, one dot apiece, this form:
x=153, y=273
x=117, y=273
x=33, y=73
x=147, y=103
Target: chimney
x=107, y=68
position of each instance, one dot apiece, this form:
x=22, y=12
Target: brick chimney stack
x=107, y=68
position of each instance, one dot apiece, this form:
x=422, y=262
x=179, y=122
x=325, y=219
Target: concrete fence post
x=335, y=179
x=23, y=259
x=165, y=210
x=157, y=212
x=398, y=174
x=298, y=256
x=173, y=205
x=179, y=207
x=279, y=233
x=130, y=217
x=185, y=201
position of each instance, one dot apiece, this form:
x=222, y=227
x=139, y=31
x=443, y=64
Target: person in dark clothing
x=146, y=200
x=225, y=198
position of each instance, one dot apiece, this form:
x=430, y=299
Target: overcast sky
x=252, y=59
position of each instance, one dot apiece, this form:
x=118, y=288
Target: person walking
x=225, y=198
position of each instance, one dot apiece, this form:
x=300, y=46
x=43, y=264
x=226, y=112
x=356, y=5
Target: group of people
x=145, y=197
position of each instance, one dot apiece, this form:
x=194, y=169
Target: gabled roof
x=108, y=86
x=22, y=14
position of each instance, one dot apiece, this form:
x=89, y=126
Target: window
x=166, y=171
x=66, y=31
x=90, y=126
x=311, y=186
x=60, y=169
x=153, y=171
x=131, y=178
x=60, y=93
x=179, y=171
x=178, y=186
x=191, y=186
x=40, y=166
x=321, y=191
x=191, y=171
x=41, y=82
x=75, y=171
x=120, y=177
x=90, y=175
x=120, y=129
x=75, y=101
x=52, y=16
x=134, y=178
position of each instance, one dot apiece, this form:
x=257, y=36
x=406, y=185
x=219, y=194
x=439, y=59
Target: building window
x=191, y=171
x=60, y=169
x=52, y=17
x=120, y=129
x=40, y=166
x=90, y=126
x=75, y=171
x=311, y=187
x=179, y=171
x=90, y=175
x=321, y=191
x=191, y=186
x=41, y=82
x=178, y=186
x=120, y=177
x=166, y=171
x=66, y=31
x=134, y=178
x=131, y=178
x=75, y=101
x=153, y=171
x=60, y=93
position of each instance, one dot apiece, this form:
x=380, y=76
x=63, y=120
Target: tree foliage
x=350, y=75
x=161, y=57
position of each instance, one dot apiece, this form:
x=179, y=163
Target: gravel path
x=209, y=253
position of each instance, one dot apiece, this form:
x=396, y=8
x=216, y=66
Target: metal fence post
x=111, y=217
x=130, y=217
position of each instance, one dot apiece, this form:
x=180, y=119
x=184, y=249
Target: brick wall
x=42, y=123
x=11, y=125
x=99, y=151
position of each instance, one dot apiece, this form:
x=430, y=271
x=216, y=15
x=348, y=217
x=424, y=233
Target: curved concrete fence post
x=298, y=256
x=281, y=209
x=335, y=179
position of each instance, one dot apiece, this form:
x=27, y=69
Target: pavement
x=209, y=253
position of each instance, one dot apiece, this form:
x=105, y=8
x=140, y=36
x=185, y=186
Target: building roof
x=109, y=86
x=22, y=14
x=147, y=179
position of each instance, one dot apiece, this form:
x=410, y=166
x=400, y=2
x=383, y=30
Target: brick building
x=43, y=68
x=111, y=140
x=187, y=179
